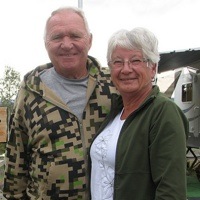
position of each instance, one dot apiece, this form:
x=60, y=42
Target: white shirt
x=103, y=151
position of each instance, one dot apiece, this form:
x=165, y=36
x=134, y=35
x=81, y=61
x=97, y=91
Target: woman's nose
x=126, y=67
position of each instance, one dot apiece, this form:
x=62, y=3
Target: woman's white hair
x=138, y=39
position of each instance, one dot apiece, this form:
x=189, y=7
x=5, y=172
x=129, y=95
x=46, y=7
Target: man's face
x=67, y=43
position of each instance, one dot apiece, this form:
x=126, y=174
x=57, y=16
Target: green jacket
x=46, y=155
x=151, y=151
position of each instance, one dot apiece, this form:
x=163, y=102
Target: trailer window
x=187, y=92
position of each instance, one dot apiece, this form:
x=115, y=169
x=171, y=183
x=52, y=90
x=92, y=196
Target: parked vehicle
x=187, y=97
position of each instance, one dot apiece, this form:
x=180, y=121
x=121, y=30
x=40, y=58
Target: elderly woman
x=139, y=151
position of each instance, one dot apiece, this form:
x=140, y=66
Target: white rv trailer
x=187, y=97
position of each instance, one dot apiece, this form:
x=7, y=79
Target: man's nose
x=67, y=43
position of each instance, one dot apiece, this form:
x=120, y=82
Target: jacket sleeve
x=168, y=152
x=16, y=157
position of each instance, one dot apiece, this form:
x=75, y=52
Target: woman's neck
x=132, y=102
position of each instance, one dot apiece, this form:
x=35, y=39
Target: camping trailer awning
x=177, y=59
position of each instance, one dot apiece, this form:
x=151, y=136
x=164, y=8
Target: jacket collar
x=33, y=82
x=117, y=103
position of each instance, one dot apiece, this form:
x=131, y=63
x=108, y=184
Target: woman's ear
x=153, y=70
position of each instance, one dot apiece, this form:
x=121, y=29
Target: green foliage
x=9, y=86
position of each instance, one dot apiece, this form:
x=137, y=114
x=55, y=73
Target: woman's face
x=130, y=72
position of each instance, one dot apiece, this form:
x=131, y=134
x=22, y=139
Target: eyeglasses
x=119, y=64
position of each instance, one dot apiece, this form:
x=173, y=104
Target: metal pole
x=80, y=4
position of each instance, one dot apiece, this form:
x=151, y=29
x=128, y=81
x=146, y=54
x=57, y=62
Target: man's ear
x=90, y=40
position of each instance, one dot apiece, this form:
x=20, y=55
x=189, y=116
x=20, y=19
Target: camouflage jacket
x=46, y=156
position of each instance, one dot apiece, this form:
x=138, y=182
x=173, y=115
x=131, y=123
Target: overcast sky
x=174, y=22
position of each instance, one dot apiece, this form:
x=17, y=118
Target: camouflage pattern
x=46, y=155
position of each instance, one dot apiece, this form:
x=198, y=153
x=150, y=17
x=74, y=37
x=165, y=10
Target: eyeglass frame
x=130, y=62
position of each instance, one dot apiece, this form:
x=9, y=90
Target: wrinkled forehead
x=66, y=19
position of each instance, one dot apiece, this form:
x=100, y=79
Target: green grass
x=193, y=186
